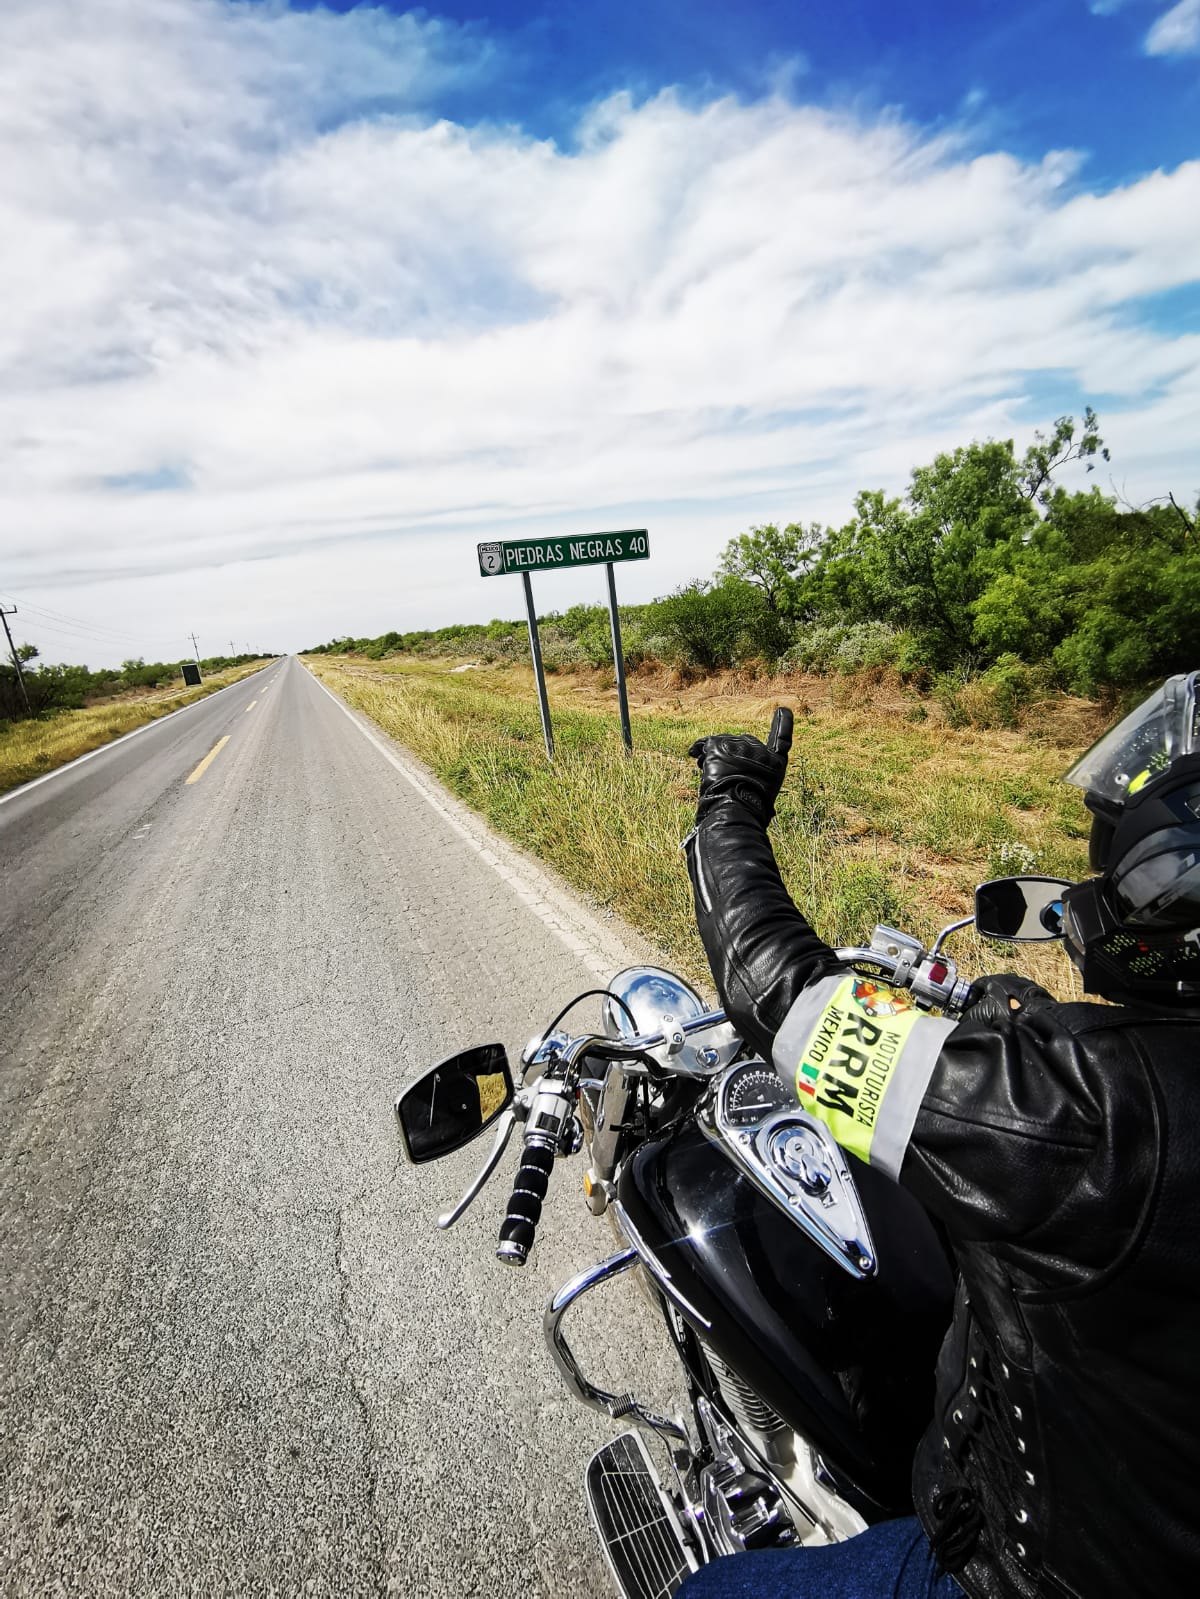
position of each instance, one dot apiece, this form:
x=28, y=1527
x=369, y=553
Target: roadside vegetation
x=986, y=585
x=45, y=688
x=889, y=813
x=33, y=745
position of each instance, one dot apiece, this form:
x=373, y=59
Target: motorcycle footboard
x=637, y=1524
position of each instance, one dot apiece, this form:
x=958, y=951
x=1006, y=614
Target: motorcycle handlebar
x=519, y=1227
x=551, y=1109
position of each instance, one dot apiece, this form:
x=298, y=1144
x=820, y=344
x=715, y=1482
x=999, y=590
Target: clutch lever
x=504, y=1128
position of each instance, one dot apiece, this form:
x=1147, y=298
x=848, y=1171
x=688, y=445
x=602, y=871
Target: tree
x=775, y=561
x=1045, y=455
x=925, y=563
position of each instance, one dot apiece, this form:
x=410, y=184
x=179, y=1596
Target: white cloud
x=1177, y=32
x=241, y=257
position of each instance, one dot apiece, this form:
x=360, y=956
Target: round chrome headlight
x=657, y=999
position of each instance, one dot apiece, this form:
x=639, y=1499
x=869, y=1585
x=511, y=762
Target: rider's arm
x=762, y=952
x=997, y=1123
x=1030, y=1133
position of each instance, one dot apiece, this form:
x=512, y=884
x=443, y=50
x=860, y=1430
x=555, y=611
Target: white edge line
x=103, y=749
x=583, y=951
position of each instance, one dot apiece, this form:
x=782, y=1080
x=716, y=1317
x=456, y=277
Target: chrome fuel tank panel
x=755, y=1120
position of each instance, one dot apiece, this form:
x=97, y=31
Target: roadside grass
x=884, y=817
x=31, y=748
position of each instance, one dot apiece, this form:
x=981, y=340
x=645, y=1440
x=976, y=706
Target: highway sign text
x=503, y=557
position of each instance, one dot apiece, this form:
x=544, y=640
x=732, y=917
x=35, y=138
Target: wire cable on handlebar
x=595, y=993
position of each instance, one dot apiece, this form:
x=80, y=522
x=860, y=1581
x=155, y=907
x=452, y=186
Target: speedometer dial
x=752, y=1095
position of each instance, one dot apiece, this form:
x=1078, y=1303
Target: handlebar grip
x=779, y=739
x=525, y=1205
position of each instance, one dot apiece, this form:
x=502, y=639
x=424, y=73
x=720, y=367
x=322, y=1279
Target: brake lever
x=504, y=1130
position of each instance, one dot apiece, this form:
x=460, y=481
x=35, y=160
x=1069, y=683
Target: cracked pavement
x=237, y=1357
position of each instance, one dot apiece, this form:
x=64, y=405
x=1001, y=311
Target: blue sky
x=1052, y=73
x=302, y=302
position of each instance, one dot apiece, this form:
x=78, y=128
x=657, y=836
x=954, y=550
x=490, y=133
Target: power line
x=80, y=623
x=66, y=629
x=77, y=638
x=65, y=616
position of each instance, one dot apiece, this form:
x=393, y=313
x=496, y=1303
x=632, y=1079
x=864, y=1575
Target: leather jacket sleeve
x=761, y=950
x=1027, y=1134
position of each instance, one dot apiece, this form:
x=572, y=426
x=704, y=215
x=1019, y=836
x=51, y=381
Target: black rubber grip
x=525, y=1206
x=779, y=739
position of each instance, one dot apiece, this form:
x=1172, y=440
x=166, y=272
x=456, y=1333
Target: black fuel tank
x=849, y=1363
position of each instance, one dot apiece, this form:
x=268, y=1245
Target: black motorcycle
x=806, y=1296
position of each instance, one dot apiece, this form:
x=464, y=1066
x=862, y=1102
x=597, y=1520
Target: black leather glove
x=994, y=998
x=761, y=950
x=741, y=768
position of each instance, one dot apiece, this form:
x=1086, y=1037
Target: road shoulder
x=603, y=941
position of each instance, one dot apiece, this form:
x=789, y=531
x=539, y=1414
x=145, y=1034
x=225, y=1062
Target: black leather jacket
x=1060, y=1146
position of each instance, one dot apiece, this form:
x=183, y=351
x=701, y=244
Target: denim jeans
x=890, y=1561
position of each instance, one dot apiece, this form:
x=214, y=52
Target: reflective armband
x=861, y=1055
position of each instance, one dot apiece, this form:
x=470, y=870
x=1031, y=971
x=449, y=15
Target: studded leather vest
x=1061, y=1147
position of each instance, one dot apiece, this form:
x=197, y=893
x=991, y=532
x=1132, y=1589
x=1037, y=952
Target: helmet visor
x=1163, y=728
x=1162, y=890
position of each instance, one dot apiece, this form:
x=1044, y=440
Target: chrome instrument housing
x=794, y=1161
x=661, y=1002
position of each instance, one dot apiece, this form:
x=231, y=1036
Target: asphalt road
x=236, y=1356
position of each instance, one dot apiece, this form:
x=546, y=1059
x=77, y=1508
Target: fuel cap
x=799, y=1153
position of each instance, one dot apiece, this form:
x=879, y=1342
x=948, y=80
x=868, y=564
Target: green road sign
x=505, y=557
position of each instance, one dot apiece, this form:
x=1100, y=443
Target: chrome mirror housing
x=658, y=1002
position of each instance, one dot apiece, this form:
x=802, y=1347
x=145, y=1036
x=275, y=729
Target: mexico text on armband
x=861, y=1055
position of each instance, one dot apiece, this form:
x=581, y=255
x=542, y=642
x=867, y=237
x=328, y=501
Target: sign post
x=535, y=650
x=618, y=659
x=510, y=556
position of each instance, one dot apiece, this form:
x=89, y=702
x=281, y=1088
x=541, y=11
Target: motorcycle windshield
x=1158, y=732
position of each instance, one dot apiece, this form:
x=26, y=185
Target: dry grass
x=888, y=815
x=29, y=749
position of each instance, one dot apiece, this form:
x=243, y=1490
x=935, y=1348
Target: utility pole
x=5, y=613
x=195, y=647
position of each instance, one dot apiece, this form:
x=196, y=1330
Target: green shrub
x=827, y=647
x=713, y=625
x=948, y=692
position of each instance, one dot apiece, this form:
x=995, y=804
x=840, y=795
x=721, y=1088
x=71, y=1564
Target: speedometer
x=753, y=1094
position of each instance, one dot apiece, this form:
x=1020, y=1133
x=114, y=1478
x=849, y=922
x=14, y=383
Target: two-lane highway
x=236, y=1356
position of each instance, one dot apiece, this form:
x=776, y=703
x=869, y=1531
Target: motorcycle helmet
x=1134, y=931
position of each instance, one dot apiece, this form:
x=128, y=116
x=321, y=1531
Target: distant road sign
x=503, y=558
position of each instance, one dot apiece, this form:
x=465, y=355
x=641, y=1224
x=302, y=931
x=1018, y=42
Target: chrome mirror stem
x=504, y=1129
x=954, y=927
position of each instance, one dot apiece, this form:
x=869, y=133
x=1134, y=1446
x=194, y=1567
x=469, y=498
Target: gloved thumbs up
x=740, y=768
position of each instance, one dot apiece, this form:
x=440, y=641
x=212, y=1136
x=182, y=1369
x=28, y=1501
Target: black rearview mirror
x=453, y=1103
x=1021, y=909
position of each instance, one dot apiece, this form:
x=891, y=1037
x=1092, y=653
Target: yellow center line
x=251, y=706
x=209, y=759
